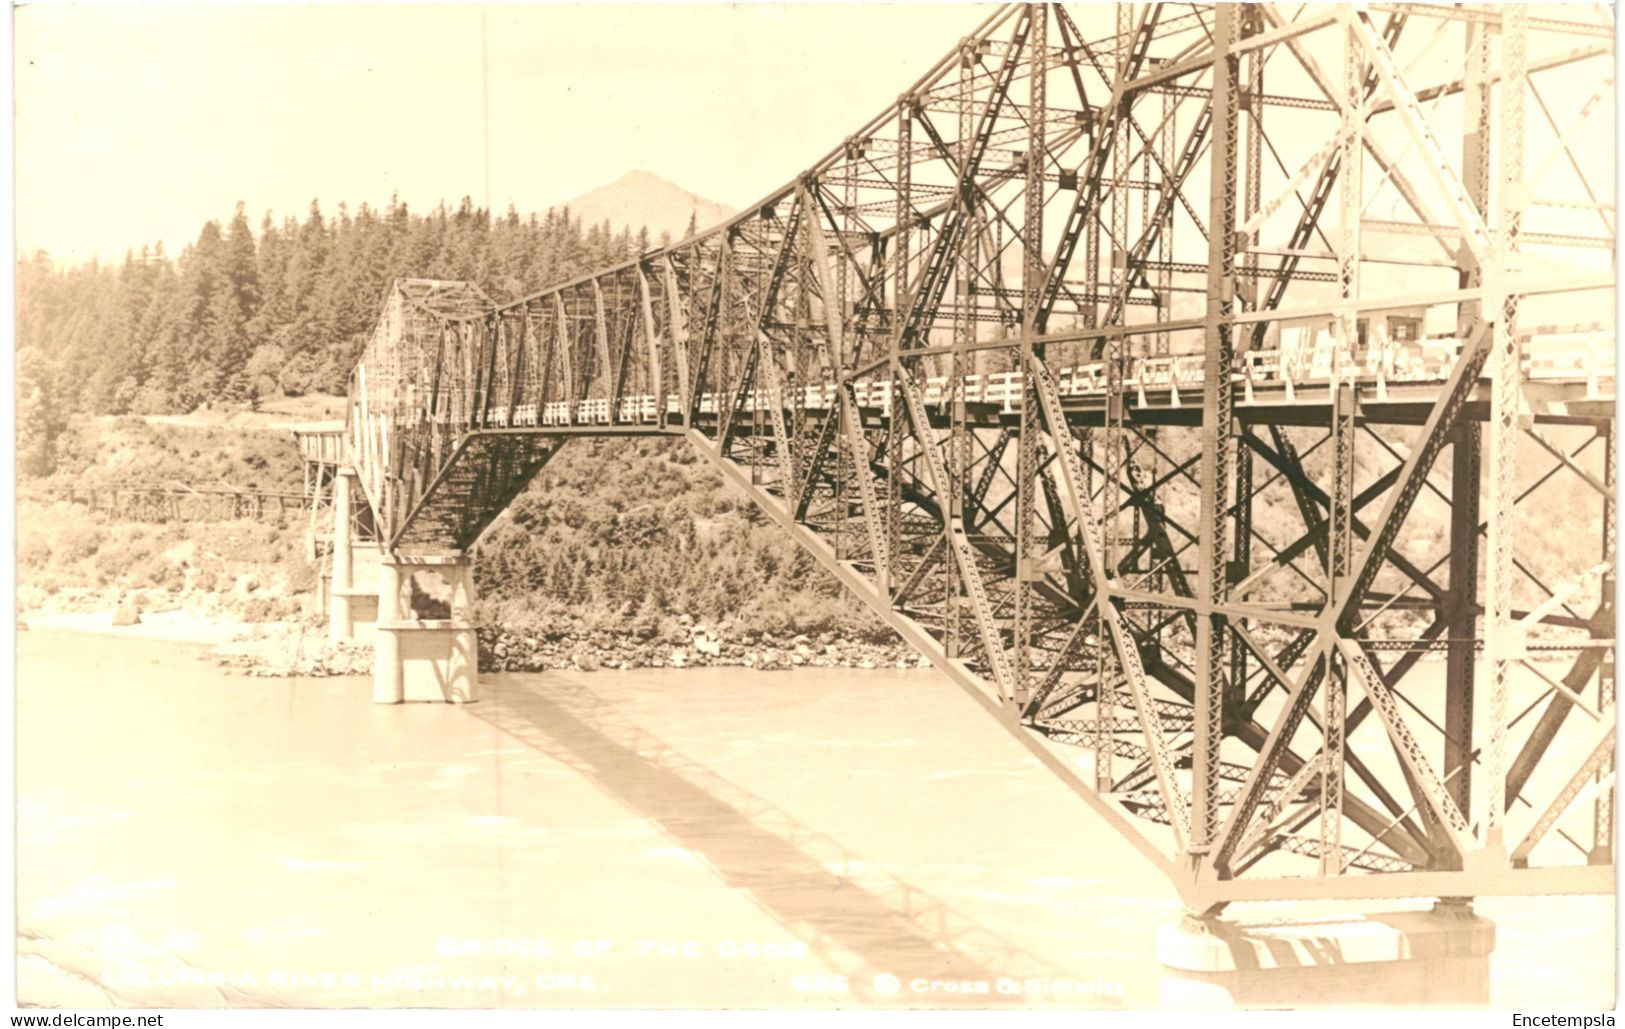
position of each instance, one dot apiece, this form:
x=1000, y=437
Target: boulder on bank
x=128, y=612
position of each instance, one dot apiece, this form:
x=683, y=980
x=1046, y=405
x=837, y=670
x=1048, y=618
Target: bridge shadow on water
x=863, y=921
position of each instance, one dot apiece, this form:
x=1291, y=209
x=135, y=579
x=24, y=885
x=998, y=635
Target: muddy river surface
x=668, y=838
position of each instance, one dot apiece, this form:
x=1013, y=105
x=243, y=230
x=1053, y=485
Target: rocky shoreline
x=284, y=649
x=279, y=650
x=276, y=650
x=704, y=646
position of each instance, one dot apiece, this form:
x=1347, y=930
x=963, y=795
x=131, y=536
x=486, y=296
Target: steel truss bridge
x=1222, y=396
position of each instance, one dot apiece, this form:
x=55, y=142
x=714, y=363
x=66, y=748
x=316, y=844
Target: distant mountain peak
x=642, y=199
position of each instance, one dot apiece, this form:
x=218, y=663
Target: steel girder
x=999, y=367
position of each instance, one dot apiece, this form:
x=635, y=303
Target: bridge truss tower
x=1222, y=395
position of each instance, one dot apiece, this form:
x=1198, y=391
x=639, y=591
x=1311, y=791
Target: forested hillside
x=586, y=567
x=636, y=533
x=242, y=314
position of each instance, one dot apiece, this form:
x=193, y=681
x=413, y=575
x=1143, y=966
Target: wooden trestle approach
x=1222, y=395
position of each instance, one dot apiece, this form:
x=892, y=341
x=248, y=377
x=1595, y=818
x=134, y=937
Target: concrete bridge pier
x=1437, y=958
x=425, y=659
x=340, y=622
x=347, y=588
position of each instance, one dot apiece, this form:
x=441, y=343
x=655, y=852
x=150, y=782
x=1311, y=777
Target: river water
x=665, y=838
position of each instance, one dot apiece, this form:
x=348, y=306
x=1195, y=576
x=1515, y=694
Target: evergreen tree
x=242, y=317
x=275, y=309
x=307, y=329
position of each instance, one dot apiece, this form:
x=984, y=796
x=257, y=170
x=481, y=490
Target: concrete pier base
x=340, y=623
x=1404, y=959
x=387, y=675
x=423, y=659
x=349, y=587
x=362, y=614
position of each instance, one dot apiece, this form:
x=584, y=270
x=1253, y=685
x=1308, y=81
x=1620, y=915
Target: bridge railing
x=622, y=349
x=1565, y=354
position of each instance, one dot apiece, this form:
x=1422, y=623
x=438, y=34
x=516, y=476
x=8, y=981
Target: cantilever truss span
x=1198, y=386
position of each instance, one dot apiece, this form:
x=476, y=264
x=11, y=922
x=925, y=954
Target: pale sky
x=137, y=123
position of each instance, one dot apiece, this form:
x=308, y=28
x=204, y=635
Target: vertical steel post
x=1032, y=291
x=1504, y=645
x=1242, y=544
x=1602, y=816
x=1340, y=542
x=1167, y=140
x=904, y=213
x=1461, y=611
x=962, y=363
x=1339, y=557
x=1241, y=561
x=1218, y=362
x=1118, y=195
x=1105, y=667
x=1112, y=441
x=1253, y=104
x=1461, y=614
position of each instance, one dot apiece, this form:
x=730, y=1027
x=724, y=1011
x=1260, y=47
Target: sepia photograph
x=1076, y=507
